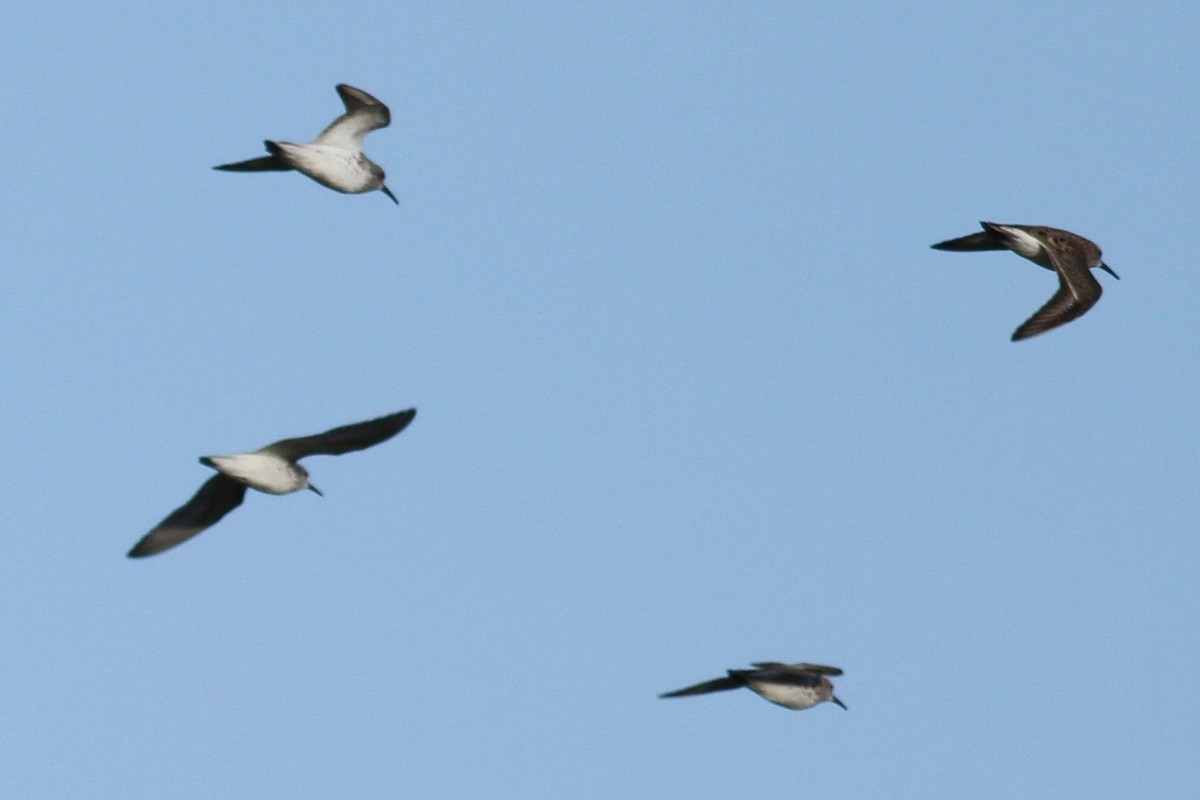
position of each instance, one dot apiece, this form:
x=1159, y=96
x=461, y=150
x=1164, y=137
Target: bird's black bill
x=1108, y=269
x=315, y=489
x=839, y=702
x=388, y=192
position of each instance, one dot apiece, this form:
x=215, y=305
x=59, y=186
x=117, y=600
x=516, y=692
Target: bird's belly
x=266, y=474
x=785, y=695
x=338, y=169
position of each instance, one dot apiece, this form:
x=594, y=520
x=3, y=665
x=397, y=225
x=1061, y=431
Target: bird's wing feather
x=986, y=239
x=345, y=439
x=812, y=669
x=217, y=497
x=1078, y=290
x=715, y=685
x=363, y=114
x=265, y=164
x=354, y=99
x=796, y=674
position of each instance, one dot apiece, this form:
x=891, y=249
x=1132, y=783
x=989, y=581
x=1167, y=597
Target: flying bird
x=795, y=686
x=1069, y=254
x=335, y=158
x=273, y=470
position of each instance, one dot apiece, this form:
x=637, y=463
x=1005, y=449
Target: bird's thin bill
x=1108, y=269
x=315, y=489
x=388, y=192
x=839, y=702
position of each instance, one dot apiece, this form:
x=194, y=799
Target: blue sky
x=693, y=391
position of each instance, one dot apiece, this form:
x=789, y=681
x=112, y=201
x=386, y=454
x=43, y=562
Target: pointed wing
x=986, y=239
x=264, y=164
x=216, y=498
x=355, y=99
x=345, y=439
x=363, y=114
x=1078, y=290
x=715, y=685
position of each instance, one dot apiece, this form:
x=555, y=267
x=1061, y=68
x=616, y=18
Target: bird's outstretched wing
x=217, y=497
x=1078, y=290
x=271, y=163
x=986, y=239
x=345, y=439
x=731, y=681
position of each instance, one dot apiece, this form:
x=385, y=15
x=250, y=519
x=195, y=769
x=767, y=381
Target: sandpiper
x=273, y=470
x=335, y=158
x=794, y=686
x=1068, y=254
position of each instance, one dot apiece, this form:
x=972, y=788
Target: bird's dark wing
x=812, y=669
x=731, y=681
x=345, y=439
x=271, y=163
x=356, y=99
x=216, y=498
x=986, y=239
x=1078, y=290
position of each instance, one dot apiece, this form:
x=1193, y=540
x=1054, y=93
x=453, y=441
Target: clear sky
x=693, y=392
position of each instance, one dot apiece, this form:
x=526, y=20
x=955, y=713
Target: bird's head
x=303, y=473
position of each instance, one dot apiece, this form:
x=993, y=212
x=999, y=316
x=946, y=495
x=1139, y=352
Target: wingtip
x=139, y=550
x=1020, y=334
x=405, y=418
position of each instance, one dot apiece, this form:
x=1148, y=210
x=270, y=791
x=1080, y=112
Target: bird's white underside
x=342, y=170
x=263, y=471
x=785, y=694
